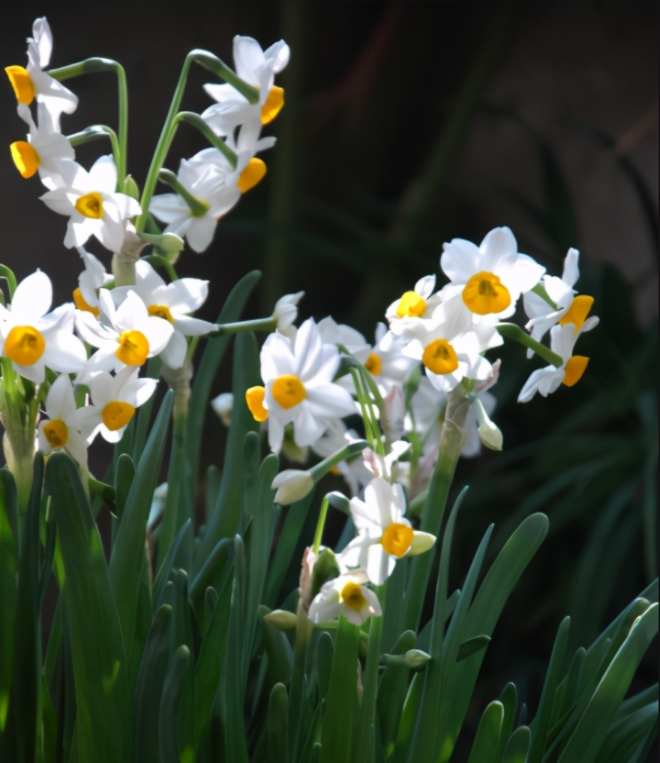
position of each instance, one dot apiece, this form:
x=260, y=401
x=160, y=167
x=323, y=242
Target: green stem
x=259, y=324
x=323, y=513
x=368, y=706
x=92, y=66
x=323, y=467
x=8, y=276
x=198, y=207
x=94, y=133
x=541, y=292
x=163, y=262
x=511, y=331
x=189, y=117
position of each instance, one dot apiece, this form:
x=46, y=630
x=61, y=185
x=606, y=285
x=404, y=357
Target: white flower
x=32, y=338
x=414, y=305
x=92, y=205
x=346, y=596
x=172, y=302
x=46, y=150
x=286, y=313
x=93, y=278
x=384, y=534
x=257, y=68
x=127, y=335
x=68, y=428
x=547, y=380
x=33, y=82
x=210, y=189
x=292, y=485
x=223, y=405
x=489, y=279
x=298, y=386
x=570, y=308
x=115, y=399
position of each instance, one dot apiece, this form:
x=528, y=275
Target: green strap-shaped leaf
x=486, y=741
x=626, y=735
x=124, y=474
x=324, y=655
x=162, y=577
x=341, y=709
x=590, y=732
x=408, y=718
x=103, y=719
x=208, y=368
x=392, y=692
x=278, y=725
x=472, y=646
x=8, y=565
x=224, y=519
x=280, y=654
x=518, y=746
x=128, y=554
x=182, y=634
x=541, y=723
x=171, y=750
x=509, y=700
x=149, y=688
x=212, y=574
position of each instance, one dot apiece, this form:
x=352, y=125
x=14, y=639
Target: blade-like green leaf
x=278, y=725
x=103, y=700
x=324, y=655
x=486, y=741
x=518, y=746
x=8, y=565
x=472, y=646
x=392, y=692
x=128, y=553
x=124, y=474
x=171, y=750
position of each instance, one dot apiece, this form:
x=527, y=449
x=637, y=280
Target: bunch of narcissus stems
x=242, y=637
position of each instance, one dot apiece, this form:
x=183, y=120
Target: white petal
x=60, y=402
x=571, y=270
x=65, y=354
x=460, y=260
x=187, y=294
x=248, y=58
x=379, y=564
x=174, y=353
x=330, y=400
x=32, y=298
x=499, y=249
x=307, y=428
x=200, y=233
x=103, y=175
x=193, y=326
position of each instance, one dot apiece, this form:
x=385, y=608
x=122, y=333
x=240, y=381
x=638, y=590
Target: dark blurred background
x=407, y=124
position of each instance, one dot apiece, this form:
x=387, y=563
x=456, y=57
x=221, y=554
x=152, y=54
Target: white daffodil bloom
x=172, y=302
x=223, y=405
x=286, y=313
x=448, y=352
x=489, y=279
x=257, y=68
x=34, y=82
x=115, y=398
x=33, y=338
x=345, y=595
x=562, y=341
x=570, y=308
x=124, y=336
x=298, y=386
x=68, y=428
x=93, y=278
x=384, y=535
x=415, y=305
x=210, y=189
x=92, y=205
x=46, y=150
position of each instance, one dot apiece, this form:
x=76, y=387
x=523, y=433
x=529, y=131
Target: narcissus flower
x=32, y=338
x=92, y=205
x=115, y=399
x=298, y=387
x=345, y=595
x=125, y=336
x=286, y=313
x=384, y=535
x=93, y=278
x=173, y=302
x=488, y=279
x=547, y=380
x=67, y=428
x=46, y=150
x=416, y=304
x=257, y=68
x=33, y=82
x=570, y=308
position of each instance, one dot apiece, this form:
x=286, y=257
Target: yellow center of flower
x=273, y=104
x=251, y=175
x=352, y=596
x=411, y=304
x=578, y=311
x=56, y=433
x=254, y=398
x=82, y=304
x=133, y=348
x=25, y=158
x=440, y=357
x=484, y=293
x=397, y=539
x=288, y=391
x=117, y=414
x=90, y=205
x=24, y=345
x=161, y=311
x=374, y=364
x=22, y=84
x=574, y=369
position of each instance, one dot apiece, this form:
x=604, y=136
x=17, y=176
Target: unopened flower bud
x=489, y=433
x=286, y=311
x=223, y=405
x=281, y=619
x=415, y=658
x=292, y=485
